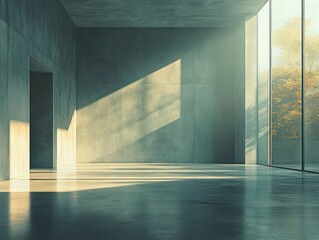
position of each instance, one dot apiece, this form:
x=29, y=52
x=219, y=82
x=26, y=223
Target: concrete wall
x=239, y=93
x=4, y=123
x=42, y=30
x=160, y=95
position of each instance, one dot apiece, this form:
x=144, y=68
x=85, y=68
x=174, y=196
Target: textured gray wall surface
x=2, y=8
x=239, y=73
x=41, y=120
x=42, y=30
x=4, y=126
x=158, y=95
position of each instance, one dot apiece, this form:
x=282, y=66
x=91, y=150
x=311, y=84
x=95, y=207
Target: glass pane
x=311, y=131
x=263, y=85
x=286, y=83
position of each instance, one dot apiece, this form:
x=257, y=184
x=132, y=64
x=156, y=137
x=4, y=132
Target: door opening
x=41, y=117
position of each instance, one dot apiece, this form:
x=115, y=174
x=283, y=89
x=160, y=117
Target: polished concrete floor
x=311, y=167
x=161, y=201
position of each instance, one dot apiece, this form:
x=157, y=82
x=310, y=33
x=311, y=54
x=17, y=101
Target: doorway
x=41, y=117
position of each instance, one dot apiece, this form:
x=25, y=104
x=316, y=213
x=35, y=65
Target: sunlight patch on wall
x=251, y=90
x=19, y=148
x=129, y=114
x=66, y=144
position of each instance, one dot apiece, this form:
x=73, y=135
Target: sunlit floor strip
x=98, y=176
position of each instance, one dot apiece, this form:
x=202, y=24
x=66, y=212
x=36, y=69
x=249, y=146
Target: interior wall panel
x=156, y=95
x=41, y=30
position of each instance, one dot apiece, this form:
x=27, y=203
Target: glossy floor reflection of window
x=311, y=77
x=286, y=83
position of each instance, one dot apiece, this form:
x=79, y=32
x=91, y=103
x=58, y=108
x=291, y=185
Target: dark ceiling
x=160, y=13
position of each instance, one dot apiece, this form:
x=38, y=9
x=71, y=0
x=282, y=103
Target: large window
x=286, y=83
x=311, y=85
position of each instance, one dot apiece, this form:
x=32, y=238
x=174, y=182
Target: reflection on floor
x=312, y=167
x=161, y=201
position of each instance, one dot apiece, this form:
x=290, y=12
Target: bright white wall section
x=251, y=91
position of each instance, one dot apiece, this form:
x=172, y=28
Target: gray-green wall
x=42, y=30
x=160, y=95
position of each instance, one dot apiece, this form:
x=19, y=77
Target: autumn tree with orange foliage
x=286, y=82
